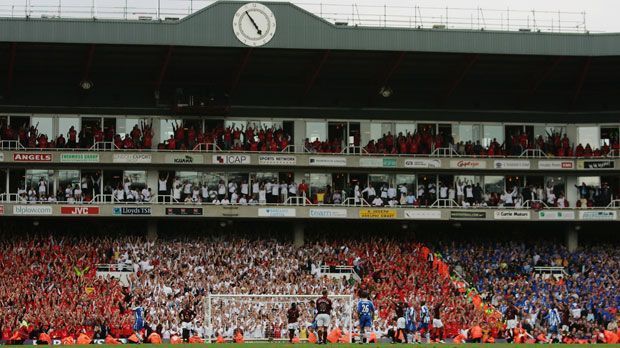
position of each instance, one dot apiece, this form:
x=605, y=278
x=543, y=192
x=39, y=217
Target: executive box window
x=588, y=135
x=316, y=131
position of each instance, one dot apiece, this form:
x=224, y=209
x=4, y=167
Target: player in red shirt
x=324, y=310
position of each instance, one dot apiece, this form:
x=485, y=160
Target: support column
x=151, y=230
x=156, y=128
x=571, y=191
x=572, y=238
x=364, y=132
x=298, y=234
x=299, y=135
x=152, y=180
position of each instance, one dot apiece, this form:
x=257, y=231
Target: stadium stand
x=180, y=181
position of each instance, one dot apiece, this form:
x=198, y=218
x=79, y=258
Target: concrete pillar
x=151, y=230
x=571, y=191
x=299, y=129
x=156, y=131
x=572, y=238
x=298, y=234
x=364, y=132
x=571, y=132
x=152, y=180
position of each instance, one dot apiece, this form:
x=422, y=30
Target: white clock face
x=254, y=24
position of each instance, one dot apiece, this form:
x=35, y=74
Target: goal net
x=263, y=317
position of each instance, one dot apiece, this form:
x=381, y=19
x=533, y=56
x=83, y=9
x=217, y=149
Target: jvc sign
x=79, y=210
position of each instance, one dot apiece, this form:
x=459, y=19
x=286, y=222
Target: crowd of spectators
x=230, y=138
x=466, y=194
x=187, y=136
x=272, y=191
x=54, y=287
x=139, y=137
x=61, y=294
x=424, y=142
x=577, y=303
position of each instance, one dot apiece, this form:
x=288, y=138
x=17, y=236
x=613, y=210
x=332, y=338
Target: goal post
x=261, y=314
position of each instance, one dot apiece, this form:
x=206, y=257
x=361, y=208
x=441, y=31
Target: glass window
x=192, y=177
x=465, y=133
x=405, y=179
x=405, y=128
x=608, y=135
x=68, y=177
x=466, y=179
x=493, y=183
x=165, y=128
x=492, y=132
x=125, y=125
x=37, y=177
x=589, y=180
x=44, y=125
x=237, y=124
x=378, y=129
x=588, y=135
x=557, y=182
x=318, y=182
x=65, y=123
x=264, y=124
x=136, y=177
x=378, y=180
x=213, y=179
x=316, y=131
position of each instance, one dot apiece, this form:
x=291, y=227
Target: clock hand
x=258, y=31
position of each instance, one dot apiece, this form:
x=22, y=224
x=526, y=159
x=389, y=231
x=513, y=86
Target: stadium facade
x=316, y=83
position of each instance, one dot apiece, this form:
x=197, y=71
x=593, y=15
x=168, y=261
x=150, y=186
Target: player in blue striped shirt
x=365, y=313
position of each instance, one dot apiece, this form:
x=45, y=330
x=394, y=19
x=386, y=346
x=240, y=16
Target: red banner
x=32, y=157
x=79, y=210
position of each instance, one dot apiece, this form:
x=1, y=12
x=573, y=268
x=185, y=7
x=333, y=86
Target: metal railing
x=103, y=146
x=114, y=267
x=103, y=199
x=336, y=271
x=533, y=153
x=337, y=13
x=445, y=152
x=297, y=200
x=445, y=203
x=529, y=202
x=207, y=147
x=551, y=271
x=8, y=145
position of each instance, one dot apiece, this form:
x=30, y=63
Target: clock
x=254, y=24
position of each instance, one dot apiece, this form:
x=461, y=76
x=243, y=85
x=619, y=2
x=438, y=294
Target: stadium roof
x=310, y=68
x=300, y=29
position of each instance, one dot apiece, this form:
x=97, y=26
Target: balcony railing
x=108, y=199
x=447, y=152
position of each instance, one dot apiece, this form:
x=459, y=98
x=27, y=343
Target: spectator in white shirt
x=146, y=194
x=377, y=202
